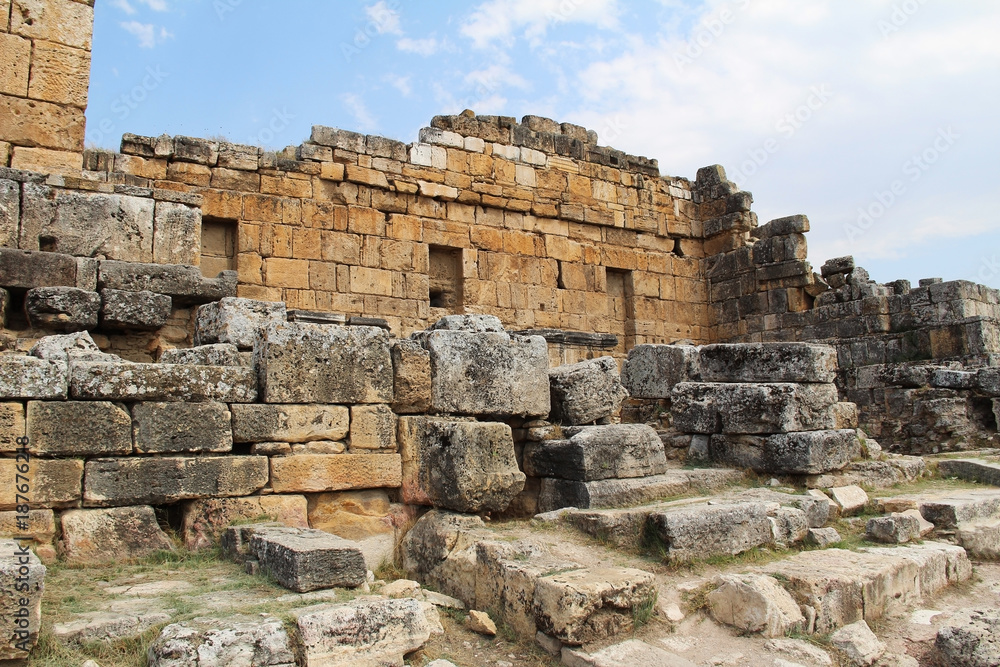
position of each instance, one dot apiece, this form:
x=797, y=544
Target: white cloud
x=400, y=83
x=362, y=115
x=126, y=6
x=501, y=20
x=493, y=77
x=423, y=47
x=385, y=18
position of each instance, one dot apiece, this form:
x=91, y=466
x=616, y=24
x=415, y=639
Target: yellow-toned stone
x=59, y=74
x=206, y=519
x=371, y=281
x=292, y=273
x=373, y=427
x=353, y=515
x=52, y=483
x=15, y=63
x=307, y=473
x=64, y=21
x=34, y=123
x=12, y=425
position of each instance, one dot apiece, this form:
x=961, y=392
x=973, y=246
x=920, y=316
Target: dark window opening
x=677, y=248
x=218, y=246
x=445, y=278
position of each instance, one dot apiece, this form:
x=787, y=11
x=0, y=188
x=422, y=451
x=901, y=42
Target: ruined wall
x=44, y=75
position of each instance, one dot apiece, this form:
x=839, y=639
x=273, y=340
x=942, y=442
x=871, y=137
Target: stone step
x=699, y=532
x=973, y=470
x=591, y=453
x=949, y=510
x=626, y=654
x=620, y=527
x=980, y=538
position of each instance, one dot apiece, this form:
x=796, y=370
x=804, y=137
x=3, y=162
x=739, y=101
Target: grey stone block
x=31, y=378
x=895, y=529
x=22, y=269
x=62, y=308
x=184, y=283
x=224, y=641
x=584, y=392
x=175, y=428
x=236, y=321
x=651, y=371
x=120, y=534
x=289, y=423
x=970, y=639
x=78, y=428
x=768, y=362
x=134, y=310
x=711, y=530
x=304, y=560
x=77, y=346
x=598, y=452
x=804, y=453
x=176, y=233
x=10, y=212
x=973, y=470
x=558, y=493
x=795, y=224
x=747, y=408
x=220, y=354
x=162, y=382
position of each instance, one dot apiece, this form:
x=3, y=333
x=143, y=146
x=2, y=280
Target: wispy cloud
x=400, y=83
x=147, y=34
x=364, y=118
x=501, y=20
x=385, y=18
x=423, y=47
x=126, y=6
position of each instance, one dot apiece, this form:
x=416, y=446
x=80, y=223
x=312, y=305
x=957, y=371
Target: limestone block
x=823, y=537
x=77, y=346
x=311, y=363
x=626, y=654
x=768, y=362
x=41, y=525
x=205, y=520
x=22, y=583
x=10, y=200
x=221, y=354
x=31, y=378
x=788, y=525
x=317, y=473
x=925, y=527
x=353, y=515
x=23, y=269
x=365, y=631
x=52, y=483
x=858, y=644
x=895, y=529
x=754, y=603
x=973, y=470
x=411, y=368
x=473, y=323
x=176, y=233
x=487, y=373
x=33, y=122
x=745, y=408
x=79, y=428
x=289, y=423
x=12, y=426
x=236, y=321
x=59, y=74
x=440, y=550
x=157, y=481
x=970, y=639
x=462, y=466
x=948, y=511
x=598, y=452
x=980, y=538
x=184, y=283
x=558, y=493
x=816, y=509
x=804, y=453
x=62, y=308
x=651, y=371
x=119, y=534
x=162, y=382
x=586, y=391
x=711, y=530
x=850, y=499
x=134, y=310
x=373, y=427
x=304, y=560
x=237, y=640
x=175, y=428
x=591, y=604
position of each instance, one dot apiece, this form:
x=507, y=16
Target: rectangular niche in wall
x=446, y=278
x=218, y=246
x=621, y=307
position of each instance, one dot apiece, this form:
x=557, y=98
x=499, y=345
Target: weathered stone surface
x=440, y=550
x=850, y=499
x=980, y=538
x=462, y=466
x=473, y=323
x=157, y=481
x=373, y=428
x=184, y=283
x=238, y=641
x=364, y=632
x=236, y=321
x=289, y=423
x=22, y=579
x=353, y=515
x=162, y=382
x=974, y=470
x=711, y=530
x=627, y=654
x=77, y=346
x=651, y=371
x=24, y=269
x=175, y=428
x=62, y=308
x=584, y=392
x=112, y=535
x=31, y=378
x=304, y=560
x=620, y=527
x=753, y=408
x=53, y=483
x=970, y=639
x=598, y=452
x=558, y=493
x=481, y=623
x=923, y=525
x=858, y=644
x=822, y=537
x=768, y=362
x=134, y=310
x=10, y=207
x=106, y=627
x=205, y=520
x=311, y=363
x=317, y=473
x=411, y=369
x=487, y=373
x=754, y=603
x=896, y=529
x=591, y=604
x=816, y=509
x=176, y=233
x=804, y=453
x=219, y=354
x=949, y=510
x=12, y=426
x=788, y=525
x=79, y=428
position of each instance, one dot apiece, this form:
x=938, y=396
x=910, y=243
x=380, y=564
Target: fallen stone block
x=768, y=362
x=373, y=428
x=183, y=283
x=206, y=519
x=22, y=583
x=98, y=626
x=651, y=371
x=289, y=423
x=31, y=378
x=850, y=499
x=62, y=308
x=614, y=451
x=27, y=269
x=317, y=473
x=602, y=493
x=804, y=453
x=364, y=632
x=816, y=509
x=458, y=465
x=158, y=481
x=973, y=470
x=822, y=537
x=141, y=311
x=970, y=639
x=53, y=483
x=440, y=550
x=303, y=560
x=754, y=603
x=980, y=538
x=788, y=525
x=481, y=623
x=701, y=532
x=237, y=640
x=177, y=428
x=896, y=529
x=623, y=527
x=220, y=354
x=584, y=392
x=77, y=346
x=858, y=644
x=753, y=408
x=925, y=526
x=311, y=363
x=411, y=370
x=120, y=534
x=947, y=511
x=162, y=382
x=627, y=654
x=236, y=321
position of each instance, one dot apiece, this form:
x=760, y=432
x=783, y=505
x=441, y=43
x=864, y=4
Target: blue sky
x=875, y=118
